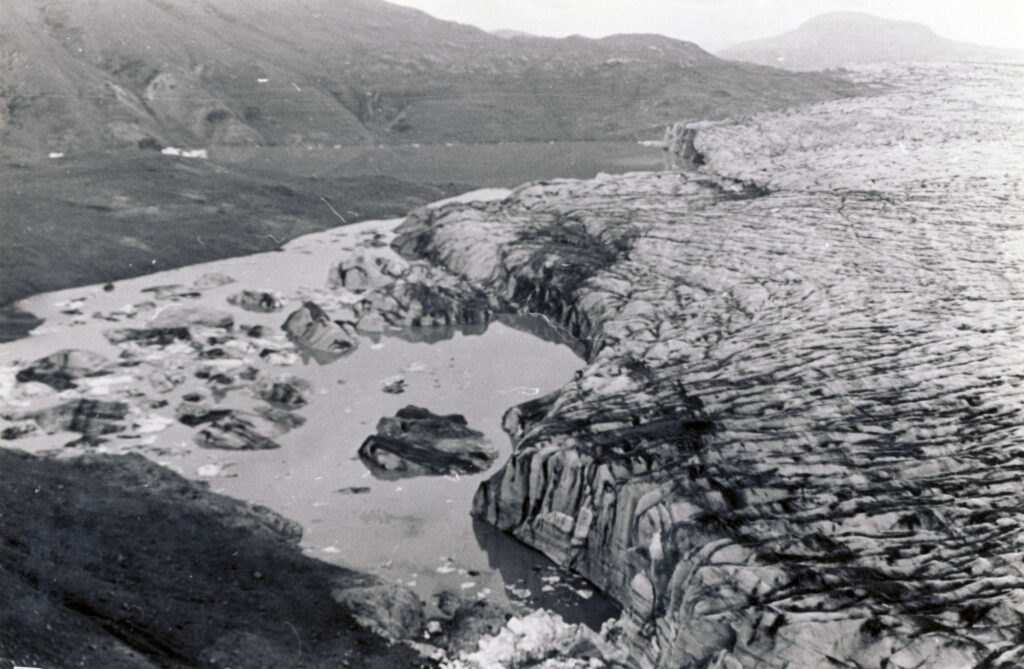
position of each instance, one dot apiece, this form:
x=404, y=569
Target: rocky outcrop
x=59, y=370
x=417, y=442
x=311, y=327
x=796, y=442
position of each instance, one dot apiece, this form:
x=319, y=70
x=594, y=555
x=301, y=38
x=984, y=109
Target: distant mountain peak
x=838, y=39
x=506, y=33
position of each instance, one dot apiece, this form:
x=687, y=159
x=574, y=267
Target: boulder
x=259, y=301
x=18, y=430
x=417, y=442
x=233, y=429
x=367, y=269
x=310, y=326
x=85, y=416
x=184, y=315
x=285, y=392
x=59, y=370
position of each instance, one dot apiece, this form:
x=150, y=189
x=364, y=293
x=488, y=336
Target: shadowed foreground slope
x=113, y=561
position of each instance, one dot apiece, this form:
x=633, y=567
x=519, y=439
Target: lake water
x=503, y=165
x=416, y=531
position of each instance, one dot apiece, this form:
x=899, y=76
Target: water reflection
x=544, y=328
x=530, y=576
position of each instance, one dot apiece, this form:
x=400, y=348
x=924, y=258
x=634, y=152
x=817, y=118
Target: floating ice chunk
x=152, y=423
x=209, y=471
x=184, y=153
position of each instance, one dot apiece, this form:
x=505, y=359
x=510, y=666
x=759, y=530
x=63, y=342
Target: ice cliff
x=799, y=439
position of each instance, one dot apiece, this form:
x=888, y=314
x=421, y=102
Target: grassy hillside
x=110, y=216
x=88, y=74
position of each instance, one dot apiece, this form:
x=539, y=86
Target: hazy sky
x=716, y=24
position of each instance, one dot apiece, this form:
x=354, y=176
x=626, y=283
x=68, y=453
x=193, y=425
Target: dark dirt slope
x=98, y=73
x=106, y=217
x=112, y=561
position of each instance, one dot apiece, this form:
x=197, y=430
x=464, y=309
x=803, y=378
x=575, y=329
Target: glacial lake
x=501, y=165
x=415, y=531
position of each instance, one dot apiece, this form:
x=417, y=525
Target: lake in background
x=506, y=164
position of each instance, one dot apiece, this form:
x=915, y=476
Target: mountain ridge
x=92, y=74
x=838, y=39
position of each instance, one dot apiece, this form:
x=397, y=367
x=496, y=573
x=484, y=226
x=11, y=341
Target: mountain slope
x=848, y=38
x=88, y=74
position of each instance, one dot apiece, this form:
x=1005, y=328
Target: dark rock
x=192, y=413
x=87, y=416
x=311, y=327
x=234, y=430
x=394, y=386
x=287, y=392
x=282, y=420
x=17, y=431
x=59, y=369
x=417, y=442
x=258, y=301
x=108, y=287
x=86, y=441
x=148, y=336
x=354, y=490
